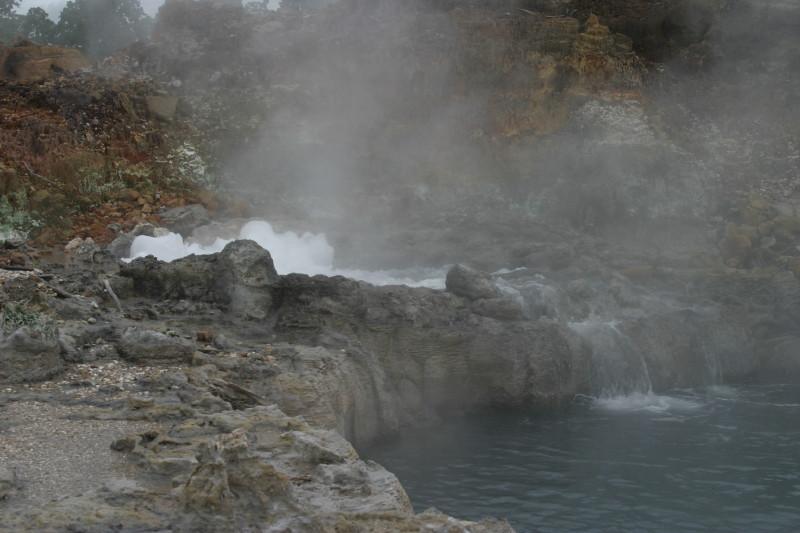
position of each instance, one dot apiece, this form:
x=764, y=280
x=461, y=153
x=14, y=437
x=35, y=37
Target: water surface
x=720, y=459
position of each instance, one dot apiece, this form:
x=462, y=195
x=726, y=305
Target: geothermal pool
x=718, y=459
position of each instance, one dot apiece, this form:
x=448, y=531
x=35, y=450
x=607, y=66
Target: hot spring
x=302, y=253
x=713, y=459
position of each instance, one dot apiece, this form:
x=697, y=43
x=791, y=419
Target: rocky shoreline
x=181, y=429
x=211, y=393
x=611, y=220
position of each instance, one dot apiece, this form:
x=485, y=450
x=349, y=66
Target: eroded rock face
x=255, y=469
x=368, y=361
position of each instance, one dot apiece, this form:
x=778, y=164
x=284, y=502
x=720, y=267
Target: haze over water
x=721, y=459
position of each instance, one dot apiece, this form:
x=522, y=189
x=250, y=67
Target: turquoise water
x=721, y=459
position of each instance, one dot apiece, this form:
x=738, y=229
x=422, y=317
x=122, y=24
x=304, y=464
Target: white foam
x=648, y=402
x=306, y=253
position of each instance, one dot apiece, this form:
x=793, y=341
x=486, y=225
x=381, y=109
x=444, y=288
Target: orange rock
x=28, y=61
x=205, y=336
x=130, y=195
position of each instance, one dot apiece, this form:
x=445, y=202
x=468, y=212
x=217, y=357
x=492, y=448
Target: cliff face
x=601, y=116
x=534, y=67
x=563, y=109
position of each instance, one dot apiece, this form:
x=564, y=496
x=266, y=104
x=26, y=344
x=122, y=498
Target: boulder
x=121, y=246
x=247, y=272
x=239, y=278
x=499, y=308
x=27, y=61
x=27, y=355
x=470, y=284
x=141, y=344
x=185, y=219
x=68, y=349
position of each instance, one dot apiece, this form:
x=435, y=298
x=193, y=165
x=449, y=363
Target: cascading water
x=618, y=367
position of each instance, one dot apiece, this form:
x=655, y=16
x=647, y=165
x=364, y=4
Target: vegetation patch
x=16, y=221
x=16, y=316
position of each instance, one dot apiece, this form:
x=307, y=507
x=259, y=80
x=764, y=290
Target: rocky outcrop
x=470, y=284
x=143, y=345
x=360, y=362
x=565, y=58
x=27, y=61
x=239, y=278
x=244, y=470
x=27, y=354
x=368, y=360
x=658, y=29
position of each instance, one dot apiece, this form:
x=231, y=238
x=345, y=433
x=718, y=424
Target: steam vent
x=436, y=266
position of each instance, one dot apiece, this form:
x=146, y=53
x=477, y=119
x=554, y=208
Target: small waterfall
x=618, y=368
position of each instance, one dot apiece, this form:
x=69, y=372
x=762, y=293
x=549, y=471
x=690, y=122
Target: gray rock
x=8, y=482
x=247, y=273
x=121, y=246
x=99, y=351
x=68, y=348
x=499, y=308
x=554, y=258
x=470, y=284
x=239, y=278
x=162, y=107
x=781, y=361
x=141, y=344
x=221, y=342
x=77, y=308
x=27, y=355
x=185, y=219
x=427, y=354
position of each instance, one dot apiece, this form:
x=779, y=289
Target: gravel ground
x=56, y=457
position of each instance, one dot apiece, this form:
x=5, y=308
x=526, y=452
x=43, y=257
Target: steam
x=392, y=111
